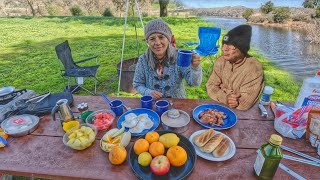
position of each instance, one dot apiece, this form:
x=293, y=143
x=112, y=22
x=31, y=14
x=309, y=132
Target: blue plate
x=229, y=121
x=152, y=115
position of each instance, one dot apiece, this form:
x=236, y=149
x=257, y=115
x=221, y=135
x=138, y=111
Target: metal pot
x=178, y=124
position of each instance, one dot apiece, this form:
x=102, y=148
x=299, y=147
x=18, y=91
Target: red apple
x=160, y=165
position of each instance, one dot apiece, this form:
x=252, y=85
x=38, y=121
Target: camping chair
x=208, y=45
x=70, y=69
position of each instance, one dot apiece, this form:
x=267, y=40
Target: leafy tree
x=163, y=8
x=76, y=11
x=247, y=13
x=266, y=8
x=311, y=3
x=281, y=14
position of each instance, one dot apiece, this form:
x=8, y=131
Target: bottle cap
x=275, y=139
x=268, y=90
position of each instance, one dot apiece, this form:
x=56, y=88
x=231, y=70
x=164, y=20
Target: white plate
x=208, y=156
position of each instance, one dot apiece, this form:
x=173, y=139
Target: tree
x=163, y=8
x=311, y=3
x=247, y=13
x=31, y=4
x=281, y=14
x=266, y=8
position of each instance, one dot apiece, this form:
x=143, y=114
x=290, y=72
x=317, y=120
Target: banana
x=115, y=137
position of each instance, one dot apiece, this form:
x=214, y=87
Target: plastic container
x=310, y=86
x=265, y=98
x=105, y=121
x=268, y=158
x=85, y=140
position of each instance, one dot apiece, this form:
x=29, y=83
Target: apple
x=160, y=165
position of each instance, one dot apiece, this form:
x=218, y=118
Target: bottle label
x=258, y=163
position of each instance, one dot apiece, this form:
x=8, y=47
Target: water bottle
x=268, y=158
x=265, y=98
x=310, y=86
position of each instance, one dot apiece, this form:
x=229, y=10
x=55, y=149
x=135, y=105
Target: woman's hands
x=195, y=62
x=156, y=94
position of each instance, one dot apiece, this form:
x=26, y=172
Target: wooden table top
x=43, y=154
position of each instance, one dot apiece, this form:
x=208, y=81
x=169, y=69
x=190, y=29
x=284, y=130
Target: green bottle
x=268, y=158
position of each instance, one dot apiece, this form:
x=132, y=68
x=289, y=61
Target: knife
x=289, y=171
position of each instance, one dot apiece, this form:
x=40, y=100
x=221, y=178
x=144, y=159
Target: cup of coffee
x=184, y=58
x=161, y=106
x=146, y=102
x=117, y=107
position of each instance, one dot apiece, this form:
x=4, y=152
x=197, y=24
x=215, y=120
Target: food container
x=85, y=140
x=105, y=122
x=20, y=125
x=175, y=120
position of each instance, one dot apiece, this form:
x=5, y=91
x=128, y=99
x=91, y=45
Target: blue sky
x=246, y=3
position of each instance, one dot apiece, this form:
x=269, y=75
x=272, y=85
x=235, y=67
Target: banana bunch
x=81, y=138
x=115, y=137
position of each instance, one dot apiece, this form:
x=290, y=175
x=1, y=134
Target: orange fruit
x=177, y=156
x=156, y=149
x=117, y=155
x=152, y=137
x=140, y=146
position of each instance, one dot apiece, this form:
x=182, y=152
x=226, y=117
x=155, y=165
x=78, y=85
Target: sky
x=246, y=3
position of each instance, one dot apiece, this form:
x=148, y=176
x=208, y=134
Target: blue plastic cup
x=117, y=107
x=184, y=58
x=161, y=106
x=146, y=102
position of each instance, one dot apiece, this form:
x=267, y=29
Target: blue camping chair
x=208, y=45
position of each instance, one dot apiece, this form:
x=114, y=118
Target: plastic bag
x=292, y=124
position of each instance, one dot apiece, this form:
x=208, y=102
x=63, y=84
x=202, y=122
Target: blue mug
x=184, y=58
x=146, y=102
x=161, y=107
x=117, y=107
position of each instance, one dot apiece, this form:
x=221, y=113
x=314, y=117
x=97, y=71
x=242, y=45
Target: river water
x=286, y=48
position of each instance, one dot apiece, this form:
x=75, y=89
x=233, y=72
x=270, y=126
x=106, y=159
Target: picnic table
x=43, y=154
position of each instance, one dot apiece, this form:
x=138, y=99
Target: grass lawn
x=28, y=58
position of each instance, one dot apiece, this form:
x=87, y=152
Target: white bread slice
x=203, y=138
x=222, y=147
x=212, y=143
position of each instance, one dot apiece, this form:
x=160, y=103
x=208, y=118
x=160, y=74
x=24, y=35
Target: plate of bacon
x=214, y=116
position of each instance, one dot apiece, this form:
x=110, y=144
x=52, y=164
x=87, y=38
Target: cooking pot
x=4, y=91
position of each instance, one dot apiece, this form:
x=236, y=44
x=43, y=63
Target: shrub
x=247, y=13
x=53, y=10
x=107, y=12
x=144, y=14
x=281, y=14
x=76, y=11
x=318, y=12
x=266, y=8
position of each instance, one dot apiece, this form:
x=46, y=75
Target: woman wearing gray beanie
x=157, y=73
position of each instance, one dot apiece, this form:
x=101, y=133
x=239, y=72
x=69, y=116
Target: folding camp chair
x=208, y=45
x=70, y=69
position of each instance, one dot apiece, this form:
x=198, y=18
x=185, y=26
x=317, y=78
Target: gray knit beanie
x=157, y=26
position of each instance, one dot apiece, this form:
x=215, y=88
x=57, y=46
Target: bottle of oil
x=268, y=158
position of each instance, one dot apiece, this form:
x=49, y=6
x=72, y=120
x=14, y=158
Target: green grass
x=28, y=58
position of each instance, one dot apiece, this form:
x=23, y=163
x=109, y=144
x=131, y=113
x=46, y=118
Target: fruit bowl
x=101, y=119
x=81, y=137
